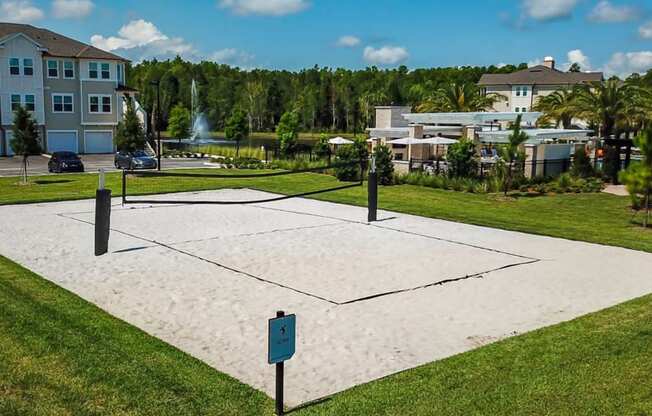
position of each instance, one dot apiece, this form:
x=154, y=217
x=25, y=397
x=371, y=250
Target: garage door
x=99, y=141
x=8, y=136
x=62, y=141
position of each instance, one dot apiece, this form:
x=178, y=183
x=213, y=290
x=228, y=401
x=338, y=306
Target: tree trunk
x=25, y=169
x=646, y=220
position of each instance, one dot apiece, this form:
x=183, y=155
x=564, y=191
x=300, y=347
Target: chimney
x=549, y=62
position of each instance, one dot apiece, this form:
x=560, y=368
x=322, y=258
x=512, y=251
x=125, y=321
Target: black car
x=134, y=160
x=65, y=162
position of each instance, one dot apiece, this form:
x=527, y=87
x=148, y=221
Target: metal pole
x=124, y=187
x=158, y=122
x=102, y=217
x=372, y=192
x=279, y=379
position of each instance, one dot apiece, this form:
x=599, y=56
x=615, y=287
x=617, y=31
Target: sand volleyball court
x=370, y=299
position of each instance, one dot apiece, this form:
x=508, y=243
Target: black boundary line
x=493, y=250
x=241, y=272
x=439, y=283
x=530, y=260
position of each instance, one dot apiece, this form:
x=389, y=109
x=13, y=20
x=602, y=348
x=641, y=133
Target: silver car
x=134, y=160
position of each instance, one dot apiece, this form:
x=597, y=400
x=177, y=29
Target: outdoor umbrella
x=409, y=141
x=340, y=140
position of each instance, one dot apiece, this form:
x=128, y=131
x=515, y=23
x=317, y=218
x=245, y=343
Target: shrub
x=384, y=165
x=322, y=149
x=461, y=159
x=347, y=156
x=582, y=166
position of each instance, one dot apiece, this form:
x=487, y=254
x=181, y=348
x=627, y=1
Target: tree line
x=325, y=99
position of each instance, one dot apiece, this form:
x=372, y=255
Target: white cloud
x=72, y=9
x=576, y=56
x=625, y=63
x=348, y=41
x=546, y=10
x=140, y=39
x=605, y=12
x=232, y=56
x=265, y=7
x=19, y=11
x=645, y=31
x=534, y=62
x=387, y=55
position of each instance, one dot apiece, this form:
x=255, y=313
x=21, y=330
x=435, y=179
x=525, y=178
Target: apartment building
x=76, y=92
x=522, y=88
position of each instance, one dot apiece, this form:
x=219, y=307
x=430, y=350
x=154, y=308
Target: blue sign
x=282, y=333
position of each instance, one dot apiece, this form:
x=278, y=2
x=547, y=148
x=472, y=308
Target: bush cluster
x=536, y=186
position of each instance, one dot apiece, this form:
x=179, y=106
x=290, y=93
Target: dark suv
x=134, y=160
x=65, y=162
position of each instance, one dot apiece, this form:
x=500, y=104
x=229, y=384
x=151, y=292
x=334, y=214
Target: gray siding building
x=75, y=91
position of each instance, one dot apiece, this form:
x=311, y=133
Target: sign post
x=280, y=348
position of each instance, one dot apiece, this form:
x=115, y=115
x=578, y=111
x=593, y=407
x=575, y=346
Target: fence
x=530, y=168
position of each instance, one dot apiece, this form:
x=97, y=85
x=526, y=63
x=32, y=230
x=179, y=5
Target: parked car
x=65, y=162
x=134, y=160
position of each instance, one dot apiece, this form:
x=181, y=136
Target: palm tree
x=511, y=152
x=460, y=98
x=604, y=103
x=557, y=107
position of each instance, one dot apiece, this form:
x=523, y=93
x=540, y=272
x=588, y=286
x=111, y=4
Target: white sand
x=311, y=258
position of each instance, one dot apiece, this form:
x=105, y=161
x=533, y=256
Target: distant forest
x=326, y=99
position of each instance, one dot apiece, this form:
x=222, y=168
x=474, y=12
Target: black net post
x=102, y=217
x=124, y=187
x=372, y=193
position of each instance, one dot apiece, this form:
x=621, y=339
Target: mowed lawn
x=596, y=218
x=60, y=355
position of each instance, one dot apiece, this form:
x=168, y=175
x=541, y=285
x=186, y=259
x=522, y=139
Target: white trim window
x=99, y=104
x=120, y=72
x=93, y=72
x=63, y=103
x=524, y=91
x=14, y=66
x=28, y=67
x=105, y=70
x=68, y=70
x=30, y=102
x=15, y=102
x=53, y=68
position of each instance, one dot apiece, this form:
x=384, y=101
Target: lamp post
x=157, y=84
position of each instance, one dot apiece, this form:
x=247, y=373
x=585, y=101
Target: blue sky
x=614, y=36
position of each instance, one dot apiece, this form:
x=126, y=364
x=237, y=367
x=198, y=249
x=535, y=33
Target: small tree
x=26, y=139
x=130, y=135
x=512, y=153
x=354, y=158
x=237, y=128
x=179, y=123
x=287, y=132
x=638, y=177
x=582, y=167
x=384, y=165
x=461, y=159
x=322, y=149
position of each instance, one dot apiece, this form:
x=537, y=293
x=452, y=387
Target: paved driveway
x=11, y=166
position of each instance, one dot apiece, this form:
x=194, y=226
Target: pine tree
x=130, y=135
x=26, y=138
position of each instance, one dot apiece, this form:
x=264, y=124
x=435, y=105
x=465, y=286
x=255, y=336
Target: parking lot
x=38, y=165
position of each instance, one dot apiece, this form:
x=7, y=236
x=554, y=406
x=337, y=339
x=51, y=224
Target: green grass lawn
x=60, y=355
x=597, y=218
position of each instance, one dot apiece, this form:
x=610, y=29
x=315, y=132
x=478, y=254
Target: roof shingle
x=57, y=45
x=541, y=75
